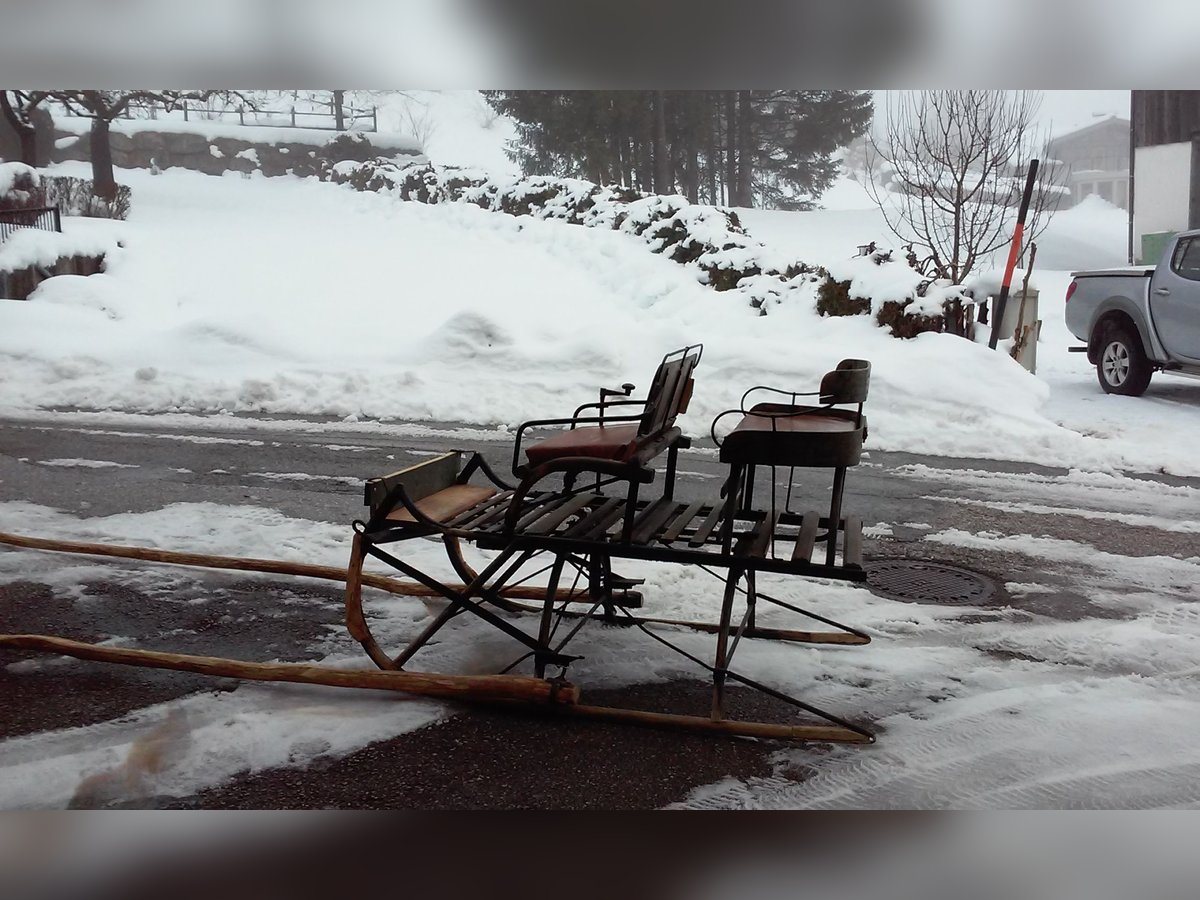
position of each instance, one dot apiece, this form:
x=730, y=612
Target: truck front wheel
x=1123, y=367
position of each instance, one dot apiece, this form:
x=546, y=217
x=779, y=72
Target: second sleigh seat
x=828, y=435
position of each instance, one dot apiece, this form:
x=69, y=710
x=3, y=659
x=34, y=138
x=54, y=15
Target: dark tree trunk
x=663, y=181
x=745, y=151
x=710, y=147
x=646, y=158
x=25, y=131
x=102, y=165
x=730, y=147
x=339, y=114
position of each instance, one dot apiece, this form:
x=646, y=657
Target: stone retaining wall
x=218, y=155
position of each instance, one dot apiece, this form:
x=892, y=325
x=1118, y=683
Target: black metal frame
x=578, y=529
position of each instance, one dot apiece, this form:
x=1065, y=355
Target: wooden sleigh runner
x=576, y=529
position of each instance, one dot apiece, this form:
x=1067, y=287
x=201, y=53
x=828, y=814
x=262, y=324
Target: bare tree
x=102, y=107
x=954, y=168
x=17, y=108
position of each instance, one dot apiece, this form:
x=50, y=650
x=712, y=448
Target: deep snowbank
x=298, y=297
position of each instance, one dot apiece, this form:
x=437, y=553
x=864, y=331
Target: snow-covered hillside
x=289, y=296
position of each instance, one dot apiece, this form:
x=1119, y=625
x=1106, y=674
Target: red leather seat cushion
x=810, y=423
x=597, y=441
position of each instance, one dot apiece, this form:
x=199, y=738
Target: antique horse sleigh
x=581, y=502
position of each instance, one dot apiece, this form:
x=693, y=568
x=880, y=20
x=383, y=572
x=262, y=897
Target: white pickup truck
x=1140, y=320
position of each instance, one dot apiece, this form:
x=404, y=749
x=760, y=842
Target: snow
x=462, y=330
x=364, y=311
x=214, y=128
x=80, y=237
x=9, y=171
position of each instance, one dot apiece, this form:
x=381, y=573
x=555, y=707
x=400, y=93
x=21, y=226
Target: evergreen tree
x=734, y=147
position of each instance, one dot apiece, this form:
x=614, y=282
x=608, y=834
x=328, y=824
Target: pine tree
x=735, y=147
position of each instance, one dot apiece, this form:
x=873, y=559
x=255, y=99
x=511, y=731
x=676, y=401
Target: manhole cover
x=924, y=582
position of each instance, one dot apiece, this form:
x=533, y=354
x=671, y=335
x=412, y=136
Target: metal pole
x=1133, y=123
x=1013, y=253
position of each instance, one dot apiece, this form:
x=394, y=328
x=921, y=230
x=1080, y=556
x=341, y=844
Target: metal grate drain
x=925, y=582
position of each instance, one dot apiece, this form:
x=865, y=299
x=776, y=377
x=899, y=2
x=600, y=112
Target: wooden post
x=185, y=111
x=293, y=117
x=241, y=115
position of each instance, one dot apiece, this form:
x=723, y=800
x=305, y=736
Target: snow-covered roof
x=1071, y=128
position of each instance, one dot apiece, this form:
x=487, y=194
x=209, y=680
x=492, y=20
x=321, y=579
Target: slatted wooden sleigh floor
x=576, y=531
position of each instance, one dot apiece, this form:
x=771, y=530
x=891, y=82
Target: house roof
x=1077, y=128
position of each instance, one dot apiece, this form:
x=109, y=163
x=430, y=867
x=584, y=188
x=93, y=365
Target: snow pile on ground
x=976, y=706
x=709, y=240
x=298, y=297
x=36, y=247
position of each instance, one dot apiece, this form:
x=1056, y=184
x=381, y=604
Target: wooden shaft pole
x=246, y=564
x=719, y=726
x=485, y=688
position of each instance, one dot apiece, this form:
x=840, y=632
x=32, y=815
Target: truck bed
x=1128, y=272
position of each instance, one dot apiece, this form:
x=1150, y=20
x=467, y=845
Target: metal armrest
x=605, y=404
x=781, y=414
x=478, y=462
x=774, y=390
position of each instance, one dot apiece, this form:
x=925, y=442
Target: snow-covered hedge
x=22, y=187
x=707, y=238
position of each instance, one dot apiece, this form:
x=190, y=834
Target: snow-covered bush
x=77, y=197
x=709, y=239
x=896, y=293
x=353, y=145
x=22, y=187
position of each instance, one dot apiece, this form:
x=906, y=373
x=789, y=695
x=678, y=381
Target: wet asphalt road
x=515, y=761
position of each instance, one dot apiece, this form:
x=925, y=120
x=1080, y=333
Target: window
x=1185, y=261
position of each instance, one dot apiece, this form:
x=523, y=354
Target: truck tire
x=1123, y=367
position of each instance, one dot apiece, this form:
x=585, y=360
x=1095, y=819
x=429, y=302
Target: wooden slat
x=639, y=517
x=534, y=511
x=549, y=522
x=446, y=503
x=707, y=525
x=479, y=509
x=852, y=551
x=421, y=480
x=652, y=521
x=681, y=522
x=760, y=538
x=807, y=537
x=598, y=521
x=486, y=516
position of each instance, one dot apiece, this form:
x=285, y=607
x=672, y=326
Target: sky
x=1063, y=109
